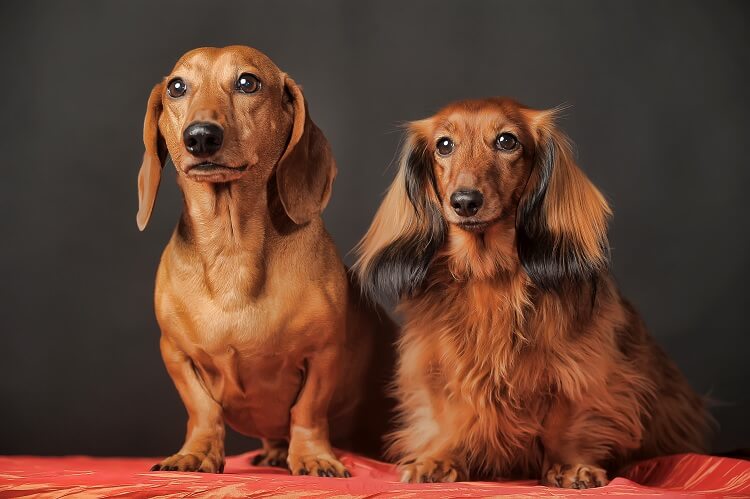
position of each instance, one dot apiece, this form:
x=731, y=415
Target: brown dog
x=519, y=358
x=261, y=327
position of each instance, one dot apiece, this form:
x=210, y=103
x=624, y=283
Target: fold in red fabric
x=22, y=476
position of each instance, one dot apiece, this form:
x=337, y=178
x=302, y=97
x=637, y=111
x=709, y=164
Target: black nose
x=203, y=139
x=467, y=203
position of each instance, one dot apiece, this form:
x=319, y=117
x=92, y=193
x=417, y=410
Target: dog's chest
x=483, y=338
x=248, y=368
x=236, y=341
x=486, y=377
x=255, y=388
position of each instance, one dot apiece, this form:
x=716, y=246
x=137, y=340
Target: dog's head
x=490, y=183
x=225, y=113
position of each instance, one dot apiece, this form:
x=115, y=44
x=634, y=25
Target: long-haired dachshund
x=261, y=326
x=519, y=357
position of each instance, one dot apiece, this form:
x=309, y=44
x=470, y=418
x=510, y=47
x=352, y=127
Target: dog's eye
x=248, y=83
x=506, y=142
x=176, y=88
x=444, y=146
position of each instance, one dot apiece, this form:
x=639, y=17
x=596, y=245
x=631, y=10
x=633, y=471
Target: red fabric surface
x=22, y=476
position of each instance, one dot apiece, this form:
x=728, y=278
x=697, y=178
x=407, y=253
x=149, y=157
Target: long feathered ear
x=561, y=224
x=407, y=231
x=149, y=176
x=306, y=170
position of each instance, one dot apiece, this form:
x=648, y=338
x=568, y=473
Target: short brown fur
x=518, y=358
x=261, y=326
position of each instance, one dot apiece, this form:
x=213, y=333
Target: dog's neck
x=232, y=228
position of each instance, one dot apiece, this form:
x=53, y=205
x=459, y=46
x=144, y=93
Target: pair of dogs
x=517, y=357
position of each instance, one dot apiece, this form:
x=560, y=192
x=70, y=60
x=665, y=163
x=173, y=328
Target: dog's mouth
x=214, y=172
x=477, y=226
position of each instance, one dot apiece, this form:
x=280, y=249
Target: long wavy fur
x=518, y=348
x=407, y=231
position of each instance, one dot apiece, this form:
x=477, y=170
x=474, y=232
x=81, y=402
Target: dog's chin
x=214, y=172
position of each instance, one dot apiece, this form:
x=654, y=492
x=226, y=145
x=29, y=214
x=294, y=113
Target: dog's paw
x=272, y=457
x=575, y=476
x=431, y=470
x=317, y=465
x=203, y=463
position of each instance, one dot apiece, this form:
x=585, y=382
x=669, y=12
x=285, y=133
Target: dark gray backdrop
x=659, y=113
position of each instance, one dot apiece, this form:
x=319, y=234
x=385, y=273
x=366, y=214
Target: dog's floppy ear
x=407, y=231
x=561, y=224
x=306, y=170
x=153, y=159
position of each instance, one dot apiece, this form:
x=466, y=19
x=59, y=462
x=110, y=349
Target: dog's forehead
x=231, y=58
x=477, y=114
x=480, y=109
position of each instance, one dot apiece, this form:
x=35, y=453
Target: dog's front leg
x=204, y=444
x=310, y=450
x=576, y=439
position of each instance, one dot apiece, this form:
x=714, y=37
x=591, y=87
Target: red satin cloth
x=21, y=476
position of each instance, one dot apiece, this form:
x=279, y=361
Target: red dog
x=519, y=357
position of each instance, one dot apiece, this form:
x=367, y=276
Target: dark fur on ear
x=561, y=224
x=407, y=231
